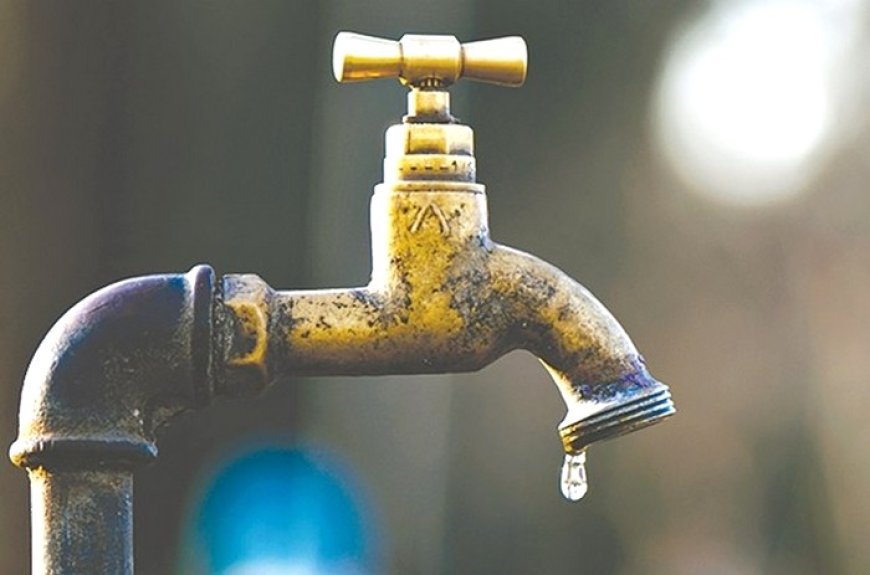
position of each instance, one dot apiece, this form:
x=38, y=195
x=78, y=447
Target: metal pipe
x=443, y=298
x=82, y=521
x=109, y=373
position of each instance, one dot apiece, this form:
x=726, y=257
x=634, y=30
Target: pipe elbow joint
x=114, y=368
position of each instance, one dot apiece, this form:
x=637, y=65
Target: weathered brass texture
x=443, y=297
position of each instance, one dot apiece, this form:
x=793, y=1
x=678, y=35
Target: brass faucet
x=443, y=297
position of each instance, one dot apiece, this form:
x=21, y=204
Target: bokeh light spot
x=282, y=512
x=747, y=97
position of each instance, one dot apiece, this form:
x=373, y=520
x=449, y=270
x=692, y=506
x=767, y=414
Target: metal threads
x=630, y=415
x=430, y=84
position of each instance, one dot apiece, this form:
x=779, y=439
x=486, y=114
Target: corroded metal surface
x=114, y=368
x=443, y=298
x=111, y=371
x=82, y=521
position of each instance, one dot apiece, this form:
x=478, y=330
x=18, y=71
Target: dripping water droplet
x=574, y=484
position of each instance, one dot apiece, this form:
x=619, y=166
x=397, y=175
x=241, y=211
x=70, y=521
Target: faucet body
x=443, y=297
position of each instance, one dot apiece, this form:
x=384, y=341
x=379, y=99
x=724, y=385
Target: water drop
x=574, y=484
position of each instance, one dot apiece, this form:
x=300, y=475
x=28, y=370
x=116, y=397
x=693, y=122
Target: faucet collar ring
x=72, y=453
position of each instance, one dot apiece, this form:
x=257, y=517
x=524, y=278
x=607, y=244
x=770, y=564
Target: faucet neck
x=429, y=106
x=418, y=234
x=430, y=145
x=429, y=204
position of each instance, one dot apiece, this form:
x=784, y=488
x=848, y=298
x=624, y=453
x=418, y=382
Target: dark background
x=147, y=137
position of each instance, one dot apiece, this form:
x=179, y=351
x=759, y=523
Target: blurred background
x=702, y=167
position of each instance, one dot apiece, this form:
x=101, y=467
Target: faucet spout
x=601, y=376
x=444, y=298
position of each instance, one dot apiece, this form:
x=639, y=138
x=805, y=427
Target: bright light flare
x=748, y=95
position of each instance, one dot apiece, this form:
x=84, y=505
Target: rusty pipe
x=114, y=368
x=111, y=371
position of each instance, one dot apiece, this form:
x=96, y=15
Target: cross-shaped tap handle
x=429, y=62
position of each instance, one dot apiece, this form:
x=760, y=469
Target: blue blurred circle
x=282, y=511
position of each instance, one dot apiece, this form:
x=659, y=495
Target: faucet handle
x=429, y=62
